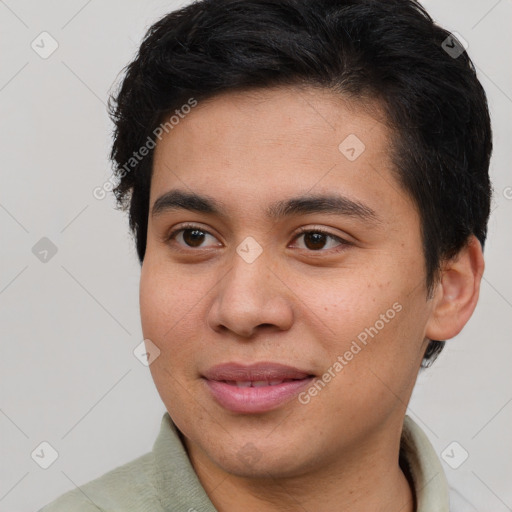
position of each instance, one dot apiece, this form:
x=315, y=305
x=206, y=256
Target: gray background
x=70, y=324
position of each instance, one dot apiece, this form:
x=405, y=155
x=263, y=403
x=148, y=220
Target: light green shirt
x=164, y=480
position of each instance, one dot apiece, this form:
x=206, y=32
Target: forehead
x=299, y=117
x=270, y=143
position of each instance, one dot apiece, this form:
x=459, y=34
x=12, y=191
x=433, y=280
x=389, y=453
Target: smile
x=256, y=388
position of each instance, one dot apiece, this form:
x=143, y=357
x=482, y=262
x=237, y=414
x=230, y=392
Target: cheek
x=154, y=302
x=372, y=324
x=167, y=299
x=173, y=318
x=350, y=303
x=372, y=365
x=163, y=310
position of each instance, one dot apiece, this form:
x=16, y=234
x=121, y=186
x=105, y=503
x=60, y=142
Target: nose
x=250, y=297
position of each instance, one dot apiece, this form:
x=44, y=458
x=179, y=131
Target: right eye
x=190, y=236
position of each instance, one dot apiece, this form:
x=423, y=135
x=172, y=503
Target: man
x=307, y=183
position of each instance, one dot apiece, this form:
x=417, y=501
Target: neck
x=372, y=479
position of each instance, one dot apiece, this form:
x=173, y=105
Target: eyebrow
x=302, y=205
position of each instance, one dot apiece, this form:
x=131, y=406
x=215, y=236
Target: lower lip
x=258, y=399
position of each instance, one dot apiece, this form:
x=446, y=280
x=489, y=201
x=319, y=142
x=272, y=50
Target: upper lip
x=262, y=371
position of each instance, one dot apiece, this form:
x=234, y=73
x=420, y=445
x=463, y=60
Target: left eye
x=316, y=240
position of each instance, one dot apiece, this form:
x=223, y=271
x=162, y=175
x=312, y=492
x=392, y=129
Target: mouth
x=256, y=383
x=255, y=388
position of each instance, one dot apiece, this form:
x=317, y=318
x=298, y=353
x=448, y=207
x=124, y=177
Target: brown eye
x=315, y=241
x=320, y=241
x=193, y=237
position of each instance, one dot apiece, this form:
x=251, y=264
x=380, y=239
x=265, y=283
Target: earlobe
x=457, y=292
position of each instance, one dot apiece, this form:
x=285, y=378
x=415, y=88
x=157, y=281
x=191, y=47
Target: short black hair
x=386, y=50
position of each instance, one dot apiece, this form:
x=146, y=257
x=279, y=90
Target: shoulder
x=129, y=487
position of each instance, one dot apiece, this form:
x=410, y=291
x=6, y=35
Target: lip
x=225, y=383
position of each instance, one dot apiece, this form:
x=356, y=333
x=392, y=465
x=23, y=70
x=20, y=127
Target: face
x=288, y=299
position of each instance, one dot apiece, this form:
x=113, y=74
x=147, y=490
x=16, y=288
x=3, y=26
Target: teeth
x=255, y=383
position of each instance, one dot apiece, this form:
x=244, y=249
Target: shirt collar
x=179, y=488
x=429, y=480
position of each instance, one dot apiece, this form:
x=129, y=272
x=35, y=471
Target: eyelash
x=301, y=231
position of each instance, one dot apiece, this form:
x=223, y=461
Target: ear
x=457, y=292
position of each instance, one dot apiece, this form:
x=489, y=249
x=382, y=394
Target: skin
x=298, y=303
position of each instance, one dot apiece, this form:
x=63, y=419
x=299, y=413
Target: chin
x=263, y=462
